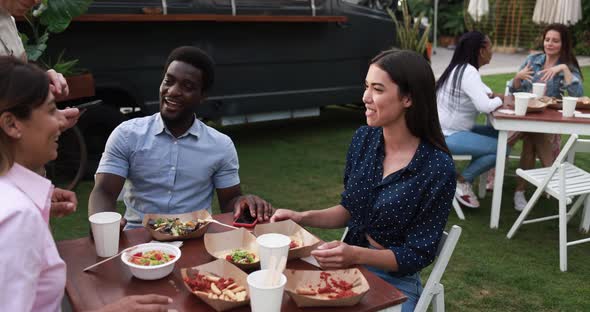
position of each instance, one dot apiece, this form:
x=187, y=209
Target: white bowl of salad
x=151, y=261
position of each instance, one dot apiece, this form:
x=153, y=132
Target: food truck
x=274, y=59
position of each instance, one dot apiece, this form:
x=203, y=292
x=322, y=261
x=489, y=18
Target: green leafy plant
x=452, y=18
x=425, y=7
x=63, y=66
x=582, y=33
x=408, y=31
x=49, y=17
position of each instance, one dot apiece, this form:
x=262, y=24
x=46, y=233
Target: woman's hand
x=549, y=73
x=497, y=95
x=286, y=214
x=335, y=255
x=58, y=84
x=71, y=114
x=526, y=73
x=141, y=303
x=63, y=202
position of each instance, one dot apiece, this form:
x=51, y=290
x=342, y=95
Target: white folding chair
x=481, y=190
x=507, y=90
x=434, y=289
x=563, y=180
x=582, y=146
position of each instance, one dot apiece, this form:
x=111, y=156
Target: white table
x=548, y=121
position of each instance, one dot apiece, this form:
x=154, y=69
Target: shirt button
x=175, y=142
x=173, y=168
x=169, y=192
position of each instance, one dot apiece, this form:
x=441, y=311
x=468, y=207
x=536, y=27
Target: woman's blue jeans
x=410, y=285
x=481, y=143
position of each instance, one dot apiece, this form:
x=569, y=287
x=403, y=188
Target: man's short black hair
x=197, y=58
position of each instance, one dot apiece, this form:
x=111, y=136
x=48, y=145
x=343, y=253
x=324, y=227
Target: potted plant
x=453, y=23
x=53, y=17
x=80, y=81
x=408, y=31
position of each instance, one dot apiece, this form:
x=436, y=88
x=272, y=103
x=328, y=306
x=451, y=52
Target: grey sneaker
x=464, y=194
x=519, y=201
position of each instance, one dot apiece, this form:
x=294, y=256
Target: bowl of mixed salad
x=171, y=227
x=151, y=261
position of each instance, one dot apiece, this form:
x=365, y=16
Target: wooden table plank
x=113, y=280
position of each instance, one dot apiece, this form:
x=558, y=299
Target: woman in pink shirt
x=29, y=128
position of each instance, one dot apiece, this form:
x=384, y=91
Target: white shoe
x=519, y=201
x=464, y=194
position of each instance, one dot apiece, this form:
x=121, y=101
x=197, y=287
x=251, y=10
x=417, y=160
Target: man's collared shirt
x=32, y=274
x=406, y=211
x=166, y=174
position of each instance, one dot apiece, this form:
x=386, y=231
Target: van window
x=374, y=4
x=279, y=7
x=268, y=3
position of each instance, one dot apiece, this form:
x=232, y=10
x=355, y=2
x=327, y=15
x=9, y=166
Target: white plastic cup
x=272, y=244
x=105, y=229
x=569, y=106
x=521, y=102
x=263, y=296
x=539, y=89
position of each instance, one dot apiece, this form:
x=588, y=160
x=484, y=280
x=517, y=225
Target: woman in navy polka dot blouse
x=399, y=179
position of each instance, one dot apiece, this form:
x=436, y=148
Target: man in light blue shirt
x=172, y=161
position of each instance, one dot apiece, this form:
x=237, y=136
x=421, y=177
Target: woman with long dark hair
x=461, y=96
x=30, y=125
x=399, y=179
x=558, y=68
x=64, y=201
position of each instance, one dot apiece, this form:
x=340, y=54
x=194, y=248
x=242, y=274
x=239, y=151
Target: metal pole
x=435, y=44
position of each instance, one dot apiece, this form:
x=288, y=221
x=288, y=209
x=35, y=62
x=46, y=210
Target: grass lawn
x=298, y=164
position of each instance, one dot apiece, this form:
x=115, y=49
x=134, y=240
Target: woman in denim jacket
x=559, y=69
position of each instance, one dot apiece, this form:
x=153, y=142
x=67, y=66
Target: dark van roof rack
x=210, y=18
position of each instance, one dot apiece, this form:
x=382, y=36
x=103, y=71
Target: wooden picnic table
x=113, y=280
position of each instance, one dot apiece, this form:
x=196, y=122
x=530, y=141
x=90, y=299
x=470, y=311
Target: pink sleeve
x=22, y=244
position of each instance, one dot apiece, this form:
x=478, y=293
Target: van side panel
x=260, y=66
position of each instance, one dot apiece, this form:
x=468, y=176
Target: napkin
x=311, y=260
x=576, y=113
x=175, y=243
x=581, y=115
x=506, y=111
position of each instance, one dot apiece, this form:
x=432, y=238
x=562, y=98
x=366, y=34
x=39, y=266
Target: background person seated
x=461, y=96
x=558, y=68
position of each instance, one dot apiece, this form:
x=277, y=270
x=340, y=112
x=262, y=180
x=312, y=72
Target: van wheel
x=97, y=124
x=70, y=166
